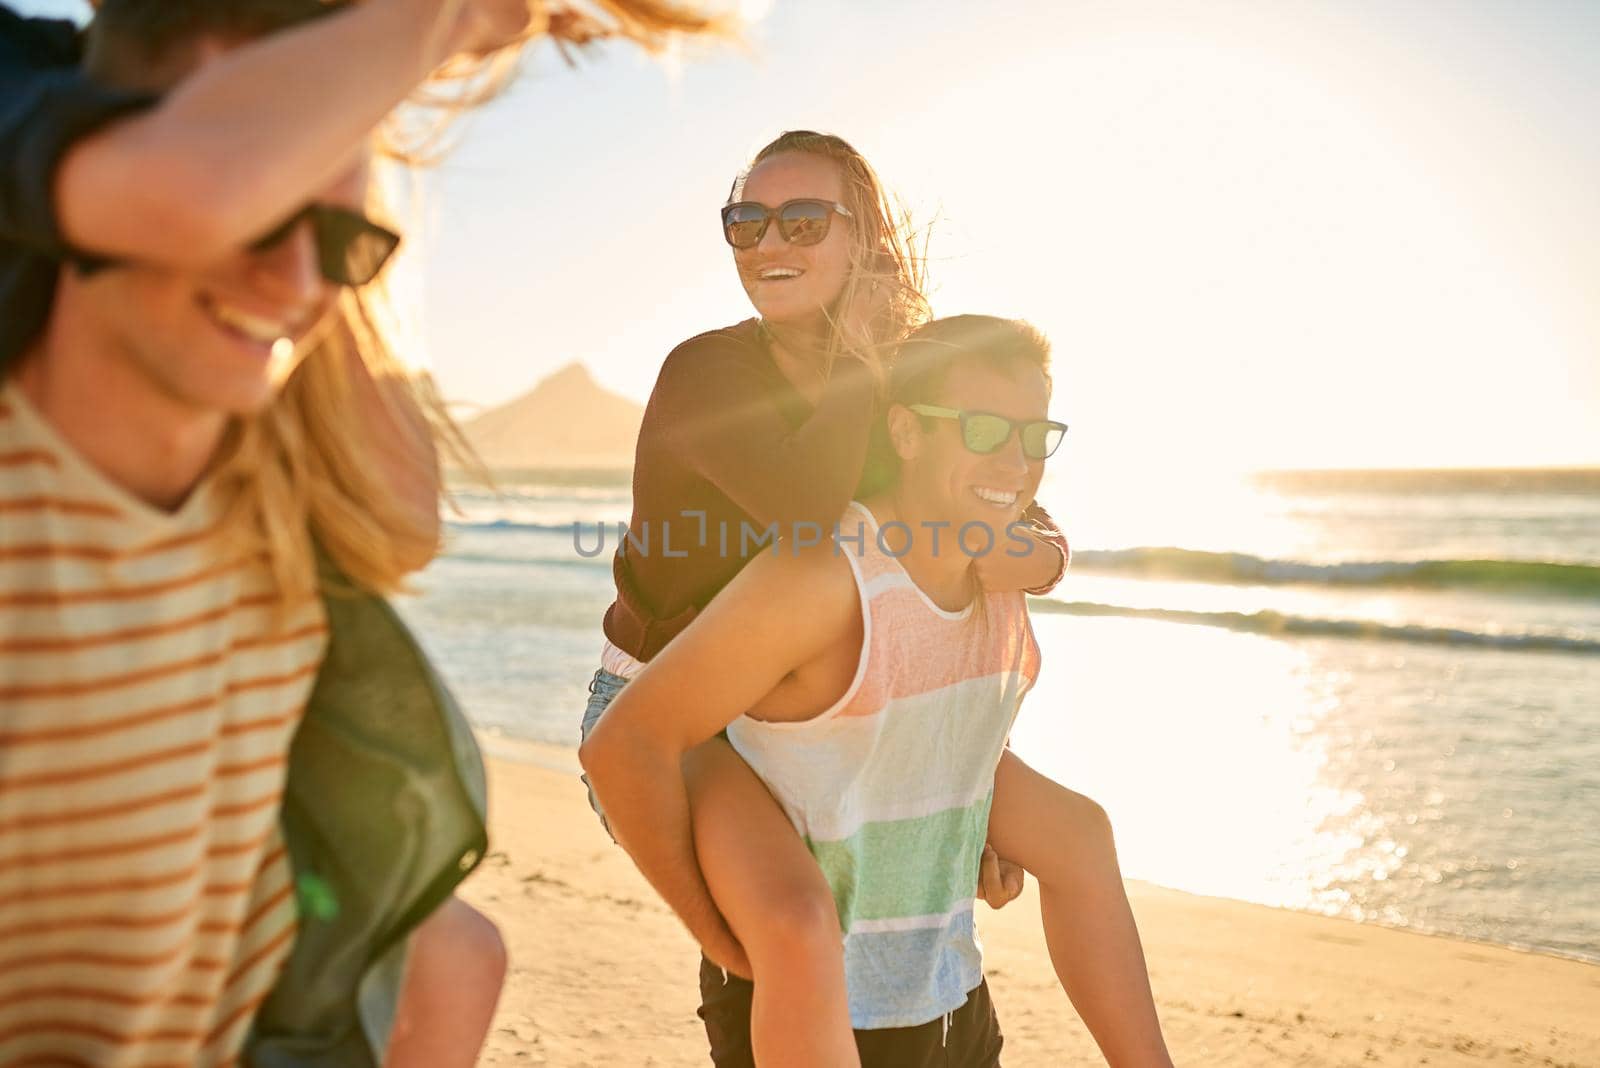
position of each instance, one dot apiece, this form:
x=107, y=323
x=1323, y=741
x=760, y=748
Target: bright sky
x=1298, y=234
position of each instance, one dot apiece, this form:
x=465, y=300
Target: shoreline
x=561, y=759
x=602, y=973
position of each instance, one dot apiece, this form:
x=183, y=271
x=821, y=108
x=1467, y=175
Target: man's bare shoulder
x=811, y=589
x=785, y=610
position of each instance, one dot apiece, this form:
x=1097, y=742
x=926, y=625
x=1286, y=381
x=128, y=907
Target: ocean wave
x=514, y=526
x=1278, y=623
x=1509, y=576
x=600, y=563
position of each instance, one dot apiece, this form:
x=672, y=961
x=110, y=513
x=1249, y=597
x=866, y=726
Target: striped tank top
x=891, y=786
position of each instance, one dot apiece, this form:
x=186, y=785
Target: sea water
x=1371, y=695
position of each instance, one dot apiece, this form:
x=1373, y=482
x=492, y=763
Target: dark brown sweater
x=726, y=435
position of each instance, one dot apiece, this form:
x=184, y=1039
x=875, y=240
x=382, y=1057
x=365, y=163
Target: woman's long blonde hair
x=314, y=460
x=885, y=293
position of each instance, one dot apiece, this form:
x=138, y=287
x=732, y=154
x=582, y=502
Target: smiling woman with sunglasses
x=766, y=425
x=767, y=421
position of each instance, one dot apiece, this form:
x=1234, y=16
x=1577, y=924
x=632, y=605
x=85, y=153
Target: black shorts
x=971, y=1039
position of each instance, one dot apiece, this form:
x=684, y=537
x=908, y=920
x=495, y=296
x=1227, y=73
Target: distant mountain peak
x=566, y=420
x=573, y=374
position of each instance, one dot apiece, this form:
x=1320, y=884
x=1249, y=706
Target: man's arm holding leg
x=779, y=613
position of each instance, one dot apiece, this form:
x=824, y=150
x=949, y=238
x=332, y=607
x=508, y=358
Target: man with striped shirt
x=160, y=629
x=871, y=685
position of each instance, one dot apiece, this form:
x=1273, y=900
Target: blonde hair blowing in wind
x=312, y=461
x=467, y=81
x=885, y=295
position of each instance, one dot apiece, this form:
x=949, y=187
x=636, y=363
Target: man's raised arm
x=242, y=144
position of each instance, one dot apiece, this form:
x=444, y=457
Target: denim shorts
x=603, y=689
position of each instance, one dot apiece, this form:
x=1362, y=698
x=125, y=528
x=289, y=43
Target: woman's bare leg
x=1064, y=839
x=778, y=905
x=453, y=976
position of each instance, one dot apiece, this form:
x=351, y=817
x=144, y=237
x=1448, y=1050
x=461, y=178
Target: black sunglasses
x=800, y=222
x=351, y=248
x=985, y=432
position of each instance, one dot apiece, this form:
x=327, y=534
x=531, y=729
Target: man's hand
x=999, y=881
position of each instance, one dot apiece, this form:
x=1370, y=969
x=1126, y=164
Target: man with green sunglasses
x=871, y=684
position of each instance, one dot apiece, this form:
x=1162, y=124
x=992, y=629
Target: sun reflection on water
x=1205, y=748
x=1414, y=787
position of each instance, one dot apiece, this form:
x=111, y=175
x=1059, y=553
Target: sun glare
x=1209, y=767
x=1245, y=262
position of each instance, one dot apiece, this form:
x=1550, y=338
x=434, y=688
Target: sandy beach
x=603, y=974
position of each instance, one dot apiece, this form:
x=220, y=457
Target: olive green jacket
x=383, y=815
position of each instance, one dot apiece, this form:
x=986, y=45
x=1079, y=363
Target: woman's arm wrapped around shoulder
x=1037, y=570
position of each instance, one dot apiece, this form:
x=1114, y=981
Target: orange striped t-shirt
x=148, y=694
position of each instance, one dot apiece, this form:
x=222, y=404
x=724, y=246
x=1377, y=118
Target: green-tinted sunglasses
x=985, y=432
